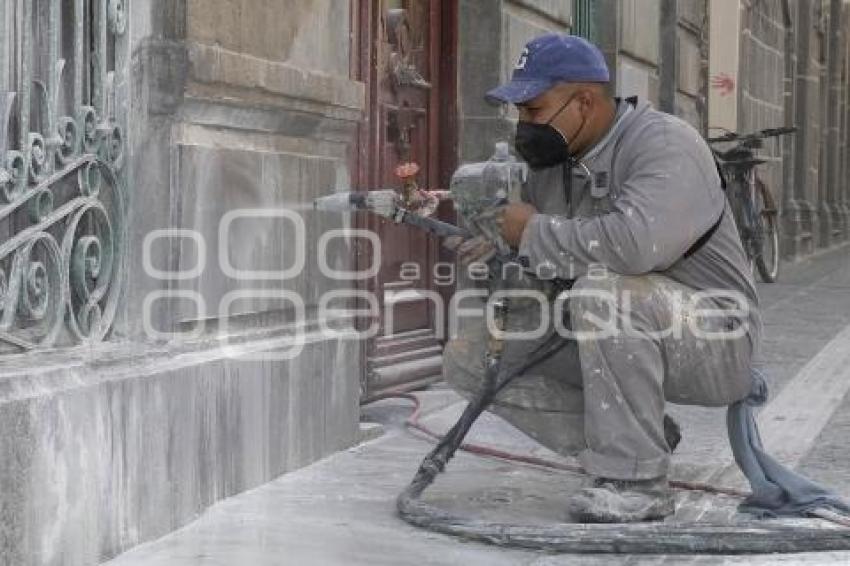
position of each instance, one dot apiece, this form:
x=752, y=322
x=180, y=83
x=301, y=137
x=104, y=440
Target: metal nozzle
x=340, y=202
x=385, y=203
x=382, y=202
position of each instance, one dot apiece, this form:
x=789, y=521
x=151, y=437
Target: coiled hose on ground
x=740, y=537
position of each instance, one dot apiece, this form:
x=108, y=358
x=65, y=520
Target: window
x=584, y=19
x=61, y=171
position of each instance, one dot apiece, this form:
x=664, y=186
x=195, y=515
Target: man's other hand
x=514, y=218
x=477, y=249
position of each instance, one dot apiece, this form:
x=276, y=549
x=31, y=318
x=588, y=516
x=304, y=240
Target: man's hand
x=514, y=218
x=477, y=249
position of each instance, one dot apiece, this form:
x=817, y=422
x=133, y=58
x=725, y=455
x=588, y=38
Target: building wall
x=229, y=105
x=627, y=31
x=844, y=171
x=799, y=49
x=835, y=224
x=662, y=53
x=638, y=48
x=762, y=86
x=692, y=62
x=486, y=57
x=781, y=76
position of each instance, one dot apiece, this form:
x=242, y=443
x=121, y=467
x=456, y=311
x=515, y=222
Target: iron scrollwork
x=62, y=184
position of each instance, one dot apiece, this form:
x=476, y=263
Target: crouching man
x=628, y=202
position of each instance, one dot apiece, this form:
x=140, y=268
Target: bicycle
x=753, y=206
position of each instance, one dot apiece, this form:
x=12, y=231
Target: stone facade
x=638, y=48
x=793, y=72
x=627, y=31
x=237, y=114
x=763, y=89
x=692, y=60
x=487, y=52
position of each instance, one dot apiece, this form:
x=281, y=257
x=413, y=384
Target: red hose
x=413, y=422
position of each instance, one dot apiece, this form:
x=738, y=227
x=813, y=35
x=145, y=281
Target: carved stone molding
x=253, y=80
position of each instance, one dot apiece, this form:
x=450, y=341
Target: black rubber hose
x=740, y=537
x=744, y=537
x=495, y=379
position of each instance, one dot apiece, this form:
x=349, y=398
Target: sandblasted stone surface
x=107, y=448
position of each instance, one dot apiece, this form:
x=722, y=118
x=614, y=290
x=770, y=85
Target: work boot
x=622, y=501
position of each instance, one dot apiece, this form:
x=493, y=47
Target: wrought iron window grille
x=62, y=178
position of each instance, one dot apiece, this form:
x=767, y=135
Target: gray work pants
x=637, y=342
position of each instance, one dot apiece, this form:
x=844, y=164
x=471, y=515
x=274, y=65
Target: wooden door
x=406, y=58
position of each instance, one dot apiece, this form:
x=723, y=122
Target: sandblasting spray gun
x=478, y=190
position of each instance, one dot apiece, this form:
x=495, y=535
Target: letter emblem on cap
x=523, y=58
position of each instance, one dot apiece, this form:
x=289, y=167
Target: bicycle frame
x=740, y=192
x=753, y=215
x=754, y=235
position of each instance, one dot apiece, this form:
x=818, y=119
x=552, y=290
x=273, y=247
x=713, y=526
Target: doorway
x=405, y=53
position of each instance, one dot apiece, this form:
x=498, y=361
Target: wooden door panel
x=404, y=49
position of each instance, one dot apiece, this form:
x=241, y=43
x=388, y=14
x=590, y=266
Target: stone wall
x=638, y=48
x=661, y=55
x=834, y=211
x=260, y=117
x=762, y=86
x=492, y=36
x=691, y=71
x=627, y=31
x=232, y=105
x=785, y=77
x=253, y=121
x=801, y=215
x=844, y=151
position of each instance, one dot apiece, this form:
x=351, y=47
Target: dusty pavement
x=341, y=510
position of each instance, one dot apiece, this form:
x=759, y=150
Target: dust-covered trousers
x=634, y=343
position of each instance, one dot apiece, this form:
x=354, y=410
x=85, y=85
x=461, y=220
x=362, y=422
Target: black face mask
x=542, y=145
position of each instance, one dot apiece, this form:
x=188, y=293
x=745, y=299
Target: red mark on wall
x=723, y=84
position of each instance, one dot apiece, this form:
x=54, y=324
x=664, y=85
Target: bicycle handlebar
x=761, y=134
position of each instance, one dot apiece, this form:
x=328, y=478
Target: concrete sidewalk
x=341, y=510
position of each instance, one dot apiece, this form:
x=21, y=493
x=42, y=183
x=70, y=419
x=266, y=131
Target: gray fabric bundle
x=776, y=490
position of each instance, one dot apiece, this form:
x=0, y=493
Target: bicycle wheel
x=767, y=234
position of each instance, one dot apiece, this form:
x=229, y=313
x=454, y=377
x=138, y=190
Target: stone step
x=404, y=341
x=404, y=335
x=420, y=371
x=405, y=356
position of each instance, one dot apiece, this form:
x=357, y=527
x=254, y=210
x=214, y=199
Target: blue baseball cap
x=548, y=60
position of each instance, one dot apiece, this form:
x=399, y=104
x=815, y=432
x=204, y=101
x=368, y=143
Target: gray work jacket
x=646, y=193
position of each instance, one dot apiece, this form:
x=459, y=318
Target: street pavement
x=341, y=510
